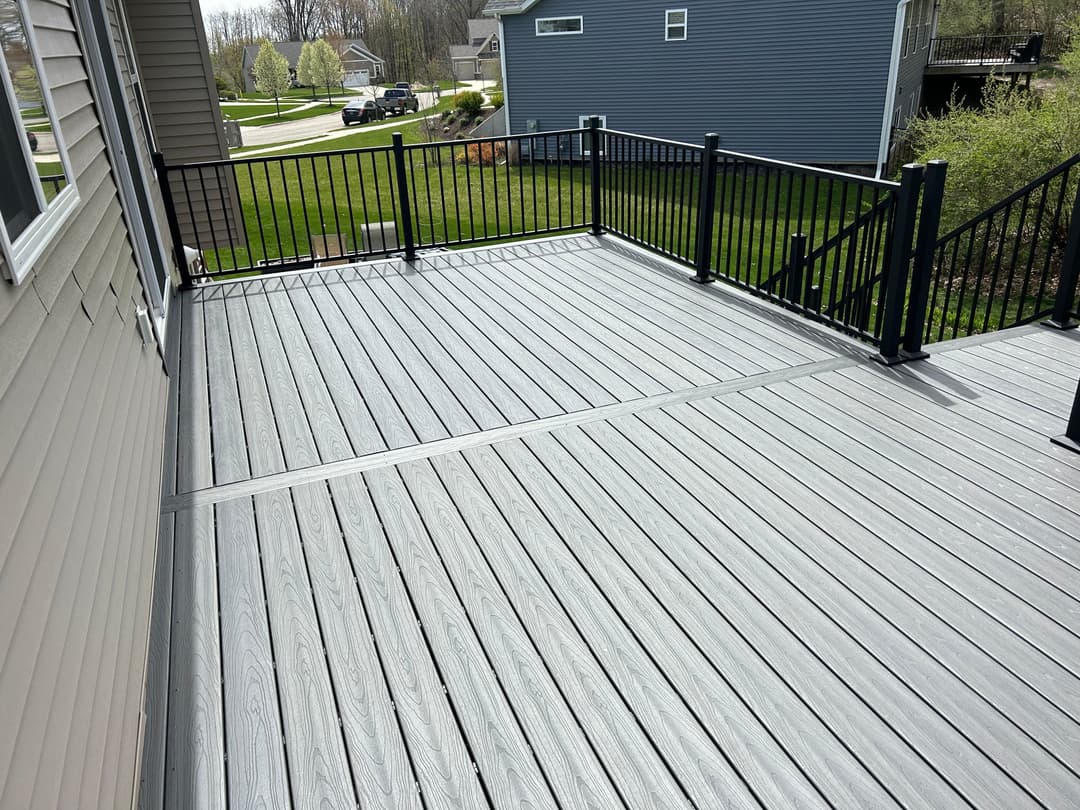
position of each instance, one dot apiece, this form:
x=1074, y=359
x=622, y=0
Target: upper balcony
x=549, y=524
x=982, y=54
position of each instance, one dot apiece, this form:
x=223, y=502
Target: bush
x=1014, y=139
x=486, y=153
x=469, y=102
x=497, y=100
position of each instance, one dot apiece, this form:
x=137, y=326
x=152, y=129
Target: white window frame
x=20, y=254
x=583, y=123
x=493, y=46
x=579, y=18
x=668, y=25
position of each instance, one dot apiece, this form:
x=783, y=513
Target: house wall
x=796, y=81
x=174, y=63
x=916, y=53
x=82, y=408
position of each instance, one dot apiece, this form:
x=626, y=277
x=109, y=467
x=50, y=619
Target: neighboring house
x=361, y=66
x=822, y=83
x=480, y=58
x=83, y=304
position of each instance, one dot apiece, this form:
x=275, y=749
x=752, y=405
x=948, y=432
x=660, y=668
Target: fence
x=858, y=254
x=1013, y=264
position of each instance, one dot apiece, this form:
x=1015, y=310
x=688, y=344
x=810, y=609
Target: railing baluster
x=897, y=273
x=1070, y=273
x=706, y=203
x=403, y=197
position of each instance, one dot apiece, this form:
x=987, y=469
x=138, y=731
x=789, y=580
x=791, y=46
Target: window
x=585, y=143
x=495, y=45
x=36, y=192
x=559, y=26
x=675, y=24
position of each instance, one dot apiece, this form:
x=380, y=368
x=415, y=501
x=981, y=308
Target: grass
x=295, y=115
x=235, y=111
x=297, y=94
x=39, y=128
x=34, y=112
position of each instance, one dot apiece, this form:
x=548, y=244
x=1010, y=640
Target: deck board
x=546, y=525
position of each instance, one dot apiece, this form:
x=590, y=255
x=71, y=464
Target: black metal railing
x=837, y=248
x=1013, y=264
x=272, y=214
x=812, y=240
x=986, y=49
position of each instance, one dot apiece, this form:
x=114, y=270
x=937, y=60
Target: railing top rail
x=1012, y=198
x=649, y=139
x=980, y=37
x=811, y=170
x=241, y=159
x=522, y=136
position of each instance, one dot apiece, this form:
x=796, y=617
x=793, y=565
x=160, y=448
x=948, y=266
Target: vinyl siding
x=796, y=81
x=174, y=63
x=82, y=408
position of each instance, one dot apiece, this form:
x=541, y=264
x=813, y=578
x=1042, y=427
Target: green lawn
x=294, y=115
x=298, y=94
x=34, y=112
x=235, y=111
x=38, y=128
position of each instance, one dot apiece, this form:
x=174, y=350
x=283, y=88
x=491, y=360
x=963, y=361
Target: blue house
x=827, y=82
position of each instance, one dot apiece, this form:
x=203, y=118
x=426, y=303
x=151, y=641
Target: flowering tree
x=271, y=73
x=322, y=66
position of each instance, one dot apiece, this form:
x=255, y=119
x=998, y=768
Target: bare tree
x=298, y=18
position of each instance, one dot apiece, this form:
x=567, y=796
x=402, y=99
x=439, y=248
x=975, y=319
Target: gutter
x=505, y=78
x=890, y=90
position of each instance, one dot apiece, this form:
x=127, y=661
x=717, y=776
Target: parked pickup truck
x=398, y=101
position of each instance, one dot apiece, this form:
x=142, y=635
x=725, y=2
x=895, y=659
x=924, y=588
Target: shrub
x=497, y=100
x=487, y=154
x=1016, y=137
x=469, y=102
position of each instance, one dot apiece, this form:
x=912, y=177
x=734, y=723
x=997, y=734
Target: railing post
x=594, y=160
x=1070, y=274
x=907, y=206
x=403, y=197
x=706, y=204
x=923, y=266
x=170, y=214
x=1071, y=439
x=794, y=292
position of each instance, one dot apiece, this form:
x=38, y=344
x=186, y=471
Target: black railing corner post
x=923, y=266
x=595, y=156
x=797, y=270
x=892, y=322
x=179, y=253
x=706, y=204
x=1070, y=275
x=403, y=197
x=1071, y=439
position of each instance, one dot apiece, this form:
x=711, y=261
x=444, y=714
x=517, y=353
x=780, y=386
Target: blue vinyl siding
x=795, y=81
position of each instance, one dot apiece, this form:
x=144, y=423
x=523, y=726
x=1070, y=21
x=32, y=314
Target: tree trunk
x=997, y=16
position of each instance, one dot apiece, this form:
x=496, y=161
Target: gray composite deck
x=548, y=526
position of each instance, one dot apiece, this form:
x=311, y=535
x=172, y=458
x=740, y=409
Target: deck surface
x=547, y=526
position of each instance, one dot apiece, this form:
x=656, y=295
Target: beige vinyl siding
x=180, y=91
x=82, y=406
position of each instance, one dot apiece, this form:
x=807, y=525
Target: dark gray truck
x=398, y=101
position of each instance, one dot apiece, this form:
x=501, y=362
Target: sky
x=210, y=6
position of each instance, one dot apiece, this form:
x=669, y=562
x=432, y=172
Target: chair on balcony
x=1027, y=52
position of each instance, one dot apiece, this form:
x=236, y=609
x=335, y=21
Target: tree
x=322, y=66
x=271, y=73
x=297, y=18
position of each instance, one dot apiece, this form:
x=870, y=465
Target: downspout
x=890, y=90
x=502, y=69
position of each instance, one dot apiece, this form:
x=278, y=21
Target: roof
x=462, y=52
x=508, y=6
x=482, y=30
x=291, y=50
